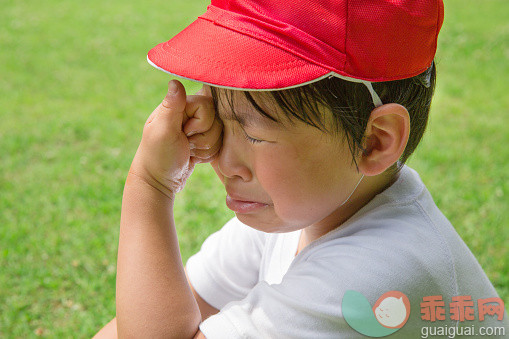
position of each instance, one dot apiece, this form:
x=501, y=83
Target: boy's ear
x=386, y=137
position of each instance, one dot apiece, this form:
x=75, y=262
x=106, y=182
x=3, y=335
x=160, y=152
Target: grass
x=75, y=91
x=464, y=158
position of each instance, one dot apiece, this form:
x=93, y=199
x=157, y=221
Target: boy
x=316, y=115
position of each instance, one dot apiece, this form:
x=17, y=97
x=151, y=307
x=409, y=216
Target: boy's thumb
x=175, y=98
x=174, y=103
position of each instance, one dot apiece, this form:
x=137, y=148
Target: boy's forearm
x=153, y=296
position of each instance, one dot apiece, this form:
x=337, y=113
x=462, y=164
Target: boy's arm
x=153, y=296
x=206, y=309
x=109, y=331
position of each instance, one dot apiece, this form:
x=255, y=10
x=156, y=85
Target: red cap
x=263, y=44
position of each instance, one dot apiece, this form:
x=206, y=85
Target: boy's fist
x=180, y=132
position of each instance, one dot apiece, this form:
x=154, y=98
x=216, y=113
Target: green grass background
x=75, y=90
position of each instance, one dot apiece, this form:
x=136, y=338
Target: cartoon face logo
x=392, y=309
x=388, y=315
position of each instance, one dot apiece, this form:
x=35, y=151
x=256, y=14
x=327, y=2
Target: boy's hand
x=180, y=132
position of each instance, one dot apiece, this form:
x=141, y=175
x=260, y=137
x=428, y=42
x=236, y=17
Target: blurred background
x=75, y=91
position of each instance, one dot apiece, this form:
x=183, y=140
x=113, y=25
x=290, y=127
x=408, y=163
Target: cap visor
x=218, y=56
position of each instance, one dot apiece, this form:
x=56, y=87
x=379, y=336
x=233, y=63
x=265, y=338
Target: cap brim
x=218, y=56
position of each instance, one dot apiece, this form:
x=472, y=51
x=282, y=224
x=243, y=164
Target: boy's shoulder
x=401, y=241
x=399, y=223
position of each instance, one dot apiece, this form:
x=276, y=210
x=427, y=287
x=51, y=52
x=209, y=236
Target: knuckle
x=206, y=156
x=206, y=146
x=203, y=154
x=207, y=104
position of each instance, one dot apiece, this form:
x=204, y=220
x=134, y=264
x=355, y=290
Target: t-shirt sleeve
x=306, y=304
x=227, y=266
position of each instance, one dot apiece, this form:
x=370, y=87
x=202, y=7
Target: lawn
x=75, y=90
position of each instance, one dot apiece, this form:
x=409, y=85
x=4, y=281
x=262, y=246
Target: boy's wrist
x=140, y=177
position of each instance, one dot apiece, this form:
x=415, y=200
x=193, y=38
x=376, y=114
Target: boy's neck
x=365, y=192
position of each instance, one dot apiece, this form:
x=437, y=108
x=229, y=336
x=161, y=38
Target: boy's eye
x=251, y=139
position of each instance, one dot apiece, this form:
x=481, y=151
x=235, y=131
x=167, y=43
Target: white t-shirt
x=399, y=241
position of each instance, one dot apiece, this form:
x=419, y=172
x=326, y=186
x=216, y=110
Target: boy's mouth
x=242, y=206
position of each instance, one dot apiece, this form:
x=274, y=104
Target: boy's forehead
x=247, y=118
x=233, y=105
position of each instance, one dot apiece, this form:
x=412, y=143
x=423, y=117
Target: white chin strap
x=376, y=99
x=374, y=96
x=355, y=188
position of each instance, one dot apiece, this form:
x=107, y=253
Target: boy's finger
x=201, y=91
x=207, y=155
x=204, y=90
x=208, y=139
x=172, y=108
x=201, y=113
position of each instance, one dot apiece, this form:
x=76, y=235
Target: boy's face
x=281, y=177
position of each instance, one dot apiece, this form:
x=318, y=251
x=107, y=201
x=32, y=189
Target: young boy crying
x=307, y=114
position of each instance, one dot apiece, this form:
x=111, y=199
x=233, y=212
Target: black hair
x=349, y=104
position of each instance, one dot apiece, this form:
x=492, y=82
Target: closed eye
x=251, y=139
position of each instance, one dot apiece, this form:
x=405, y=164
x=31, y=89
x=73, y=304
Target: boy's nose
x=231, y=161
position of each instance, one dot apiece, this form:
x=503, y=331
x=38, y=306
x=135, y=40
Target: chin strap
x=344, y=202
x=374, y=96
